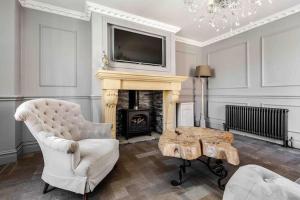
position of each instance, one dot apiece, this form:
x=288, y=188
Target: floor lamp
x=203, y=72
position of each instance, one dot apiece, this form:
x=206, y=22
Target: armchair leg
x=45, y=190
x=85, y=196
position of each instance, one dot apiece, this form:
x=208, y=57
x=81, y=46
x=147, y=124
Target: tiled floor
x=142, y=174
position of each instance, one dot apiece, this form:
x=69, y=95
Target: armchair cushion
x=94, y=153
x=97, y=159
x=252, y=182
x=97, y=131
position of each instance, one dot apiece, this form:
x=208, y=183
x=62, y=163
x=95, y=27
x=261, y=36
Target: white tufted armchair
x=77, y=153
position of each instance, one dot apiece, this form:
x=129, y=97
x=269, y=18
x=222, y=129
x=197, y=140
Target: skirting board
x=24, y=148
x=8, y=157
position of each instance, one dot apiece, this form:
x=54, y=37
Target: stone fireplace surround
x=113, y=81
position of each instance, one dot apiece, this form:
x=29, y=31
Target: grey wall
x=9, y=78
x=56, y=61
x=55, y=57
x=257, y=68
x=47, y=55
x=187, y=58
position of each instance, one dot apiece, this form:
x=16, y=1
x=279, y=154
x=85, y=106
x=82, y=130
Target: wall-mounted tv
x=131, y=46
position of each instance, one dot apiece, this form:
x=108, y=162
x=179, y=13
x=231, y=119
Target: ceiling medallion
x=220, y=14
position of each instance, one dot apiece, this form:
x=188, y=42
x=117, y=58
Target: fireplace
x=135, y=122
x=114, y=81
x=139, y=113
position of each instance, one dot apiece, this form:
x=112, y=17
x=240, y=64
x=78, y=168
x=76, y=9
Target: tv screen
x=138, y=47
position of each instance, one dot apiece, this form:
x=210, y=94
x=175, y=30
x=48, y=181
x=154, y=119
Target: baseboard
x=30, y=146
x=12, y=155
x=8, y=156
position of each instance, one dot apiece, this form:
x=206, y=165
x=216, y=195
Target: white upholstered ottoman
x=252, y=182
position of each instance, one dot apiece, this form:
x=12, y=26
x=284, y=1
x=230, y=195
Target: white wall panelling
x=10, y=133
x=58, y=57
x=216, y=111
x=187, y=58
x=57, y=79
x=280, y=58
x=9, y=140
x=230, y=72
x=272, y=72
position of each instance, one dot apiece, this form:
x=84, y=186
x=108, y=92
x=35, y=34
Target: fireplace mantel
x=112, y=81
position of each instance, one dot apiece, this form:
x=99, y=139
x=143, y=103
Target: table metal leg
x=182, y=170
x=217, y=169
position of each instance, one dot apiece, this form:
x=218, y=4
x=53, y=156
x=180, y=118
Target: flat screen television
x=137, y=47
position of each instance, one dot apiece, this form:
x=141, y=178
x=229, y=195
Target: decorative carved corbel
x=110, y=106
x=110, y=98
x=174, y=96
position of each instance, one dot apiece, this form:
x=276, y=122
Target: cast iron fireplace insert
x=135, y=121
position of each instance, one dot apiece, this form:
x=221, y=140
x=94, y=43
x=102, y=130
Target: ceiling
x=174, y=12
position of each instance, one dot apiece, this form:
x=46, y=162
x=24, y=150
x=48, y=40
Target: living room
x=170, y=99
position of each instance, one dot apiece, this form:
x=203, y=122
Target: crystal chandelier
x=220, y=14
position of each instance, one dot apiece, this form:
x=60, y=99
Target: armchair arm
x=58, y=144
x=99, y=130
x=58, y=150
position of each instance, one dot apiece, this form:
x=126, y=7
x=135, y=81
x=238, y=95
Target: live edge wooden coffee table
x=193, y=143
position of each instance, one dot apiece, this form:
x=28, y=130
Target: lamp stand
x=202, y=114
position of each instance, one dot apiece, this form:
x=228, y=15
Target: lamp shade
x=203, y=71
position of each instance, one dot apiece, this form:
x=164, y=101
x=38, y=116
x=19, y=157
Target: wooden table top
x=190, y=143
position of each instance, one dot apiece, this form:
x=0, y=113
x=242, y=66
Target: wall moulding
x=45, y=7
x=25, y=98
x=189, y=41
x=253, y=96
x=255, y=24
x=225, y=103
x=93, y=7
x=263, y=39
x=247, y=64
x=45, y=34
